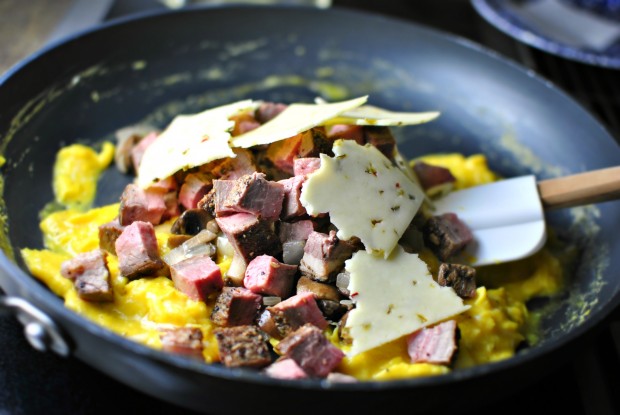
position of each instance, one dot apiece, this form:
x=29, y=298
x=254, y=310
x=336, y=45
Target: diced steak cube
x=296, y=231
x=108, y=234
x=283, y=153
x=138, y=150
x=242, y=346
x=197, y=277
x=90, y=275
x=250, y=194
x=460, y=277
x=292, y=207
x=382, y=139
x=313, y=143
x=267, y=111
x=285, y=368
x=234, y=168
x=267, y=275
x=140, y=205
x=432, y=176
x=446, y=235
x=236, y=306
x=320, y=290
x=137, y=251
x=207, y=203
x=183, y=340
x=435, y=345
x=346, y=132
x=324, y=256
x=244, y=122
x=296, y=311
x=172, y=206
x=166, y=185
x=250, y=236
x=306, y=165
x=311, y=350
x=191, y=222
x=194, y=187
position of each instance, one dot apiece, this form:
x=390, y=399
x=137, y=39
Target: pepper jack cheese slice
x=394, y=297
x=371, y=115
x=189, y=141
x=365, y=195
x=293, y=120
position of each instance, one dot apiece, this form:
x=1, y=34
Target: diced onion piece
x=270, y=301
x=224, y=248
x=201, y=238
x=196, y=245
x=236, y=272
x=346, y=302
x=212, y=226
x=292, y=252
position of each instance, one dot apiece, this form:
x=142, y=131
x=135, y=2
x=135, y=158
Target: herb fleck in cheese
x=365, y=195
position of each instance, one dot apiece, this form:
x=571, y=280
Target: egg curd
x=490, y=330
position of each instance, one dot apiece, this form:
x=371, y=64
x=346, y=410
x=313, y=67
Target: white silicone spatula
x=507, y=217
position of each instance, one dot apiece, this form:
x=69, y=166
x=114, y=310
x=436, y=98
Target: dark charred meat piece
x=234, y=168
x=285, y=368
x=435, y=345
x=313, y=143
x=268, y=111
x=292, y=207
x=320, y=290
x=137, y=251
x=207, y=203
x=141, y=205
x=197, y=277
x=446, y=235
x=236, y=306
x=311, y=350
x=306, y=165
x=242, y=346
x=191, y=222
x=432, y=176
x=90, y=275
x=183, y=340
x=346, y=132
x=460, y=277
x=251, y=193
x=382, y=139
x=296, y=311
x=250, y=236
x=193, y=189
x=324, y=256
x=108, y=234
x=266, y=275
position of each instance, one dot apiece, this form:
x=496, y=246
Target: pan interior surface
x=153, y=68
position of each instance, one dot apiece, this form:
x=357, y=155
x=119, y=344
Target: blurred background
x=587, y=68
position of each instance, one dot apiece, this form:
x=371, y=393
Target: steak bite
x=251, y=193
x=311, y=350
x=436, y=344
x=305, y=165
x=296, y=231
x=324, y=256
x=193, y=189
x=137, y=251
x=346, y=132
x=313, y=143
x=446, y=235
x=108, y=234
x=310, y=143
x=292, y=207
x=234, y=168
x=382, y=139
x=90, y=275
x=294, y=312
x=267, y=111
x=141, y=205
x=242, y=346
x=137, y=151
x=433, y=178
x=267, y=275
x=182, y=340
x=244, y=122
x=197, y=277
x=236, y=306
x=285, y=368
x=250, y=236
x=460, y=277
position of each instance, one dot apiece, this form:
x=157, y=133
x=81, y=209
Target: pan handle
x=40, y=330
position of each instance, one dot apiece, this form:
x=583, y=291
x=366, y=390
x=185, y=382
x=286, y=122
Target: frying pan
x=158, y=65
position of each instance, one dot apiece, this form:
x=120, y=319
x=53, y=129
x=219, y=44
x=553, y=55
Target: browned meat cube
x=311, y=350
x=193, y=189
x=250, y=194
x=141, y=205
x=435, y=345
x=137, y=251
x=207, y=203
x=296, y=311
x=268, y=111
x=296, y=231
x=313, y=143
x=346, y=132
x=108, y=234
x=242, y=346
x=250, y=236
x=183, y=340
x=460, y=277
x=446, y=235
x=292, y=207
x=197, y=277
x=324, y=256
x=382, y=139
x=431, y=177
x=266, y=275
x=236, y=306
x=244, y=122
x=234, y=168
x=138, y=150
x=306, y=165
x=90, y=275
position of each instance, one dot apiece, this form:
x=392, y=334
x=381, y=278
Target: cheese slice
x=365, y=195
x=371, y=115
x=295, y=119
x=394, y=297
x=190, y=141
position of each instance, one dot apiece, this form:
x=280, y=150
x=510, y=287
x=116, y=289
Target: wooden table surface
x=25, y=26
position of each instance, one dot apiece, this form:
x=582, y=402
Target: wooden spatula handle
x=581, y=189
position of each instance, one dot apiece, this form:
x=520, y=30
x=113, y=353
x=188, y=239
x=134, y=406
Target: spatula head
x=506, y=219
